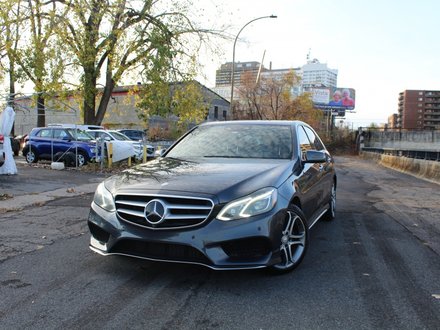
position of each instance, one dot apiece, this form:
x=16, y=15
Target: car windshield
x=120, y=136
x=236, y=141
x=80, y=135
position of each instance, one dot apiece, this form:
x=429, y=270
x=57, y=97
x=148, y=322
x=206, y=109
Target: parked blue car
x=60, y=144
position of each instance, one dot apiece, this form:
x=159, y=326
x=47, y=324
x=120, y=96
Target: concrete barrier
x=425, y=169
x=411, y=140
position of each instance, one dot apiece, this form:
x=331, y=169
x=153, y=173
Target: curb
x=18, y=203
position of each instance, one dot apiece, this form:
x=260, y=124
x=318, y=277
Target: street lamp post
x=233, y=53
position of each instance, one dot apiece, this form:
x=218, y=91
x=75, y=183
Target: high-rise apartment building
x=312, y=74
x=419, y=109
x=316, y=74
x=223, y=75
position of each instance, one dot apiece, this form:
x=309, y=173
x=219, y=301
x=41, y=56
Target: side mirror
x=313, y=156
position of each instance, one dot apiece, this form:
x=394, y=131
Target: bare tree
x=272, y=98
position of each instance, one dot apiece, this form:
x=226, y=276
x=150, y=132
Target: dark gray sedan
x=227, y=195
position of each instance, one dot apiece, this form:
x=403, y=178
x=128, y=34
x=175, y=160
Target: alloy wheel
x=293, y=242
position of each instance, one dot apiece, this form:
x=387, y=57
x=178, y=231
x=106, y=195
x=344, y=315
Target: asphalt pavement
x=376, y=266
x=36, y=184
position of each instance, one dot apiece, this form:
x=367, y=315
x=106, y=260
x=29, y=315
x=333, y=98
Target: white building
x=316, y=74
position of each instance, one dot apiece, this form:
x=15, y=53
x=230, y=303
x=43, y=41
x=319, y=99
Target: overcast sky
x=379, y=47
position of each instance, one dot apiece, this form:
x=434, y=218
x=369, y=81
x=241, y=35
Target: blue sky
x=380, y=48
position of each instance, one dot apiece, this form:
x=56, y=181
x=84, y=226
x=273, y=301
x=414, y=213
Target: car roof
x=131, y=129
x=256, y=122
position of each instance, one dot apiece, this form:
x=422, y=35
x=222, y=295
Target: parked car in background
x=227, y=195
x=134, y=134
x=113, y=135
x=22, y=139
x=77, y=126
x=58, y=143
x=15, y=145
x=2, y=152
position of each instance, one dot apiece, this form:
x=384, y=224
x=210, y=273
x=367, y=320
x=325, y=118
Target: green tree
x=184, y=100
x=31, y=44
x=114, y=37
x=10, y=18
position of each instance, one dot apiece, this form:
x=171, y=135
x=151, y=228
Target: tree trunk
x=11, y=96
x=89, y=95
x=41, y=115
x=108, y=90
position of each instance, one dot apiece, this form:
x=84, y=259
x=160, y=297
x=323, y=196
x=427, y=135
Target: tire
x=15, y=146
x=82, y=158
x=31, y=155
x=294, y=241
x=69, y=159
x=58, y=157
x=330, y=214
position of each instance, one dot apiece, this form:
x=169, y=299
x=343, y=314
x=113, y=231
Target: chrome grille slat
x=183, y=217
x=140, y=204
x=131, y=212
x=186, y=207
x=181, y=211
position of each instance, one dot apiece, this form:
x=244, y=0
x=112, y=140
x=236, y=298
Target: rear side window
x=45, y=133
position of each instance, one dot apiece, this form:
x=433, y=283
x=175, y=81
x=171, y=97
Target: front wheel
x=81, y=159
x=294, y=240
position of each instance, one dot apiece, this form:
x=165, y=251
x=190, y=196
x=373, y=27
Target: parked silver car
x=113, y=135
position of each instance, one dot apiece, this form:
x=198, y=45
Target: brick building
x=419, y=109
x=121, y=110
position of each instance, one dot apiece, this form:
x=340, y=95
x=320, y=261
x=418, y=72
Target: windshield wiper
x=224, y=156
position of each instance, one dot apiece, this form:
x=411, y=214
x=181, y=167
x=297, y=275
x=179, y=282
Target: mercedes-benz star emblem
x=155, y=211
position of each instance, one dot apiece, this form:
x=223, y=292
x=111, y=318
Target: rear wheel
x=69, y=159
x=294, y=240
x=30, y=155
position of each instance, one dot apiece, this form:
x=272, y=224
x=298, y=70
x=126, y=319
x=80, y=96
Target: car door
x=43, y=141
x=62, y=140
x=308, y=181
x=325, y=176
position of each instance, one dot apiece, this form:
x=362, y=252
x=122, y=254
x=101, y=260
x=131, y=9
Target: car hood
x=226, y=179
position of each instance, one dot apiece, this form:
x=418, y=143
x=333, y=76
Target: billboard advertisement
x=333, y=98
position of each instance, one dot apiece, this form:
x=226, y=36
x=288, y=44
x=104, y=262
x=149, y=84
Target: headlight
x=104, y=199
x=257, y=203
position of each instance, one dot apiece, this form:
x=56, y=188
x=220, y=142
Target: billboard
x=335, y=99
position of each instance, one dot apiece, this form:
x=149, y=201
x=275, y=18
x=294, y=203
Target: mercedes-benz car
x=226, y=195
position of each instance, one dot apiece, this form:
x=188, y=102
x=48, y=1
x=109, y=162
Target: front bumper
x=240, y=244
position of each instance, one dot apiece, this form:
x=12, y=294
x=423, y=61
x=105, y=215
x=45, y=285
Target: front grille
x=161, y=251
x=180, y=212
